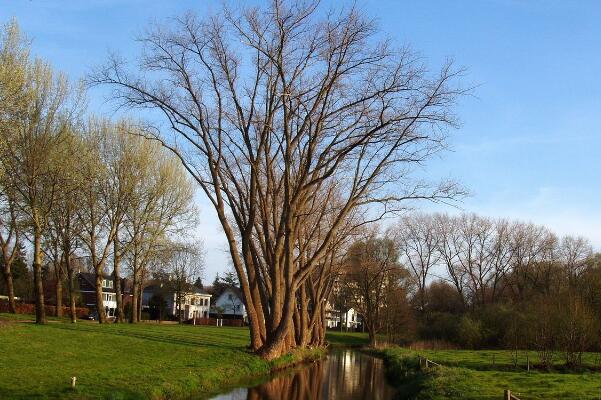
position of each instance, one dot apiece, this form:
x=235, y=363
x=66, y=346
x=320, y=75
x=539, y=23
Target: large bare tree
x=265, y=107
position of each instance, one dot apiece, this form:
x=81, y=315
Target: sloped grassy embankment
x=122, y=361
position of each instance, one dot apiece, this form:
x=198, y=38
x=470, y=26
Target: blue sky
x=530, y=138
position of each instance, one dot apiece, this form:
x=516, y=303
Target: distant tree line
x=473, y=282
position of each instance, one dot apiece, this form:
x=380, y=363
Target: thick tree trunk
x=99, y=297
x=117, y=272
x=40, y=312
x=8, y=278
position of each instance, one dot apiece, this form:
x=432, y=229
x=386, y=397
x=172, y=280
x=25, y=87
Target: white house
x=350, y=319
x=229, y=304
x=194, y=304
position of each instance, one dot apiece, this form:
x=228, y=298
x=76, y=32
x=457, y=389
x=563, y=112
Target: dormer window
x=107, y=283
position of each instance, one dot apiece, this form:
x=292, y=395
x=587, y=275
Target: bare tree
x=14, y=54
x=64, y=227
x=9, y=240
x=99, y=218
x=574, y=252
x=418, y=242
x=185, y=264
x=533, y=248
x=265, y=106
x=373, y=272
x=161, y=206
x=33, y=151
x=449, y=239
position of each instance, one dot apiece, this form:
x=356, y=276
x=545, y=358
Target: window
x=107, y=283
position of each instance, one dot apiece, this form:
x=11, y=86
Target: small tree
x=185, y=265
x=372, y=271
x=577, y=328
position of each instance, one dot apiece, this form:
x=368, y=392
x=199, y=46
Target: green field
x=472, y=375
x=182, y=361
x=121, y=361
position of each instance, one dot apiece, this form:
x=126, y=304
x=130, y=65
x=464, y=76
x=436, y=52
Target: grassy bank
x=346, y=339
x=472, y=375
x=120, y=361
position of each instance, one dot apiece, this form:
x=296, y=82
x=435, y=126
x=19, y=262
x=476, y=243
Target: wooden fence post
x=507, y=394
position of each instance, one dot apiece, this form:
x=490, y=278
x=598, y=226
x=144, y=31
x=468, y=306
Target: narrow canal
x=344, y=374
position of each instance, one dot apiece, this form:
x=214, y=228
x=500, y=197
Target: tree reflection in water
x=344, y=374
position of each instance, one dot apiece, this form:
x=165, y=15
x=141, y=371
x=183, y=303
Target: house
x=195, y=303
x=87, y=289
x=351, y=320
x=229, y=305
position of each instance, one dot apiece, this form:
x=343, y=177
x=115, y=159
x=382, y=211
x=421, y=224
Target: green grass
x=504, y=359
x=471, y=375
x=346, y=339
x=121, y=361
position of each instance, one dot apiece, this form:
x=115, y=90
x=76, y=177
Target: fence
x=426, y=363
x=218, y=322
x=508, y=396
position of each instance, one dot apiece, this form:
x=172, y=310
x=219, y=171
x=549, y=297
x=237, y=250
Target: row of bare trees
x=485, y=258
x=76, y=186
x=478, y=281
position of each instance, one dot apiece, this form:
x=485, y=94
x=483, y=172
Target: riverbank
x=122, y=361
x=485, y=375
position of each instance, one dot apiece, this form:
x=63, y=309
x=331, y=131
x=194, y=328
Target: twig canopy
x=272, y=108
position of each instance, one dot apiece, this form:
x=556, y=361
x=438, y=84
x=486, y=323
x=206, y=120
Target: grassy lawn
x=123, y=361
x=471, y=375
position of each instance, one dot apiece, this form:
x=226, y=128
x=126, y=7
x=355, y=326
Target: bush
x=440, y=326
x=470, y=332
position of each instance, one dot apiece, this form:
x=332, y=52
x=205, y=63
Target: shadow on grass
x=184, y=338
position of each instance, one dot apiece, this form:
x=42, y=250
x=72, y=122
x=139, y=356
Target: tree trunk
x=71, y=287
x=40, y=312
x=117, y=272
x=134, y=301
x=371, y=332
x=99, y=296
x=8, y=278
x=180, y=316
x=59, y=294
x=140, y=289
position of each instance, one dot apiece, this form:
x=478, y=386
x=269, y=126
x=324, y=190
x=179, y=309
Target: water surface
x=344, y=374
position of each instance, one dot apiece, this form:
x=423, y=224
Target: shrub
x=470, y=332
